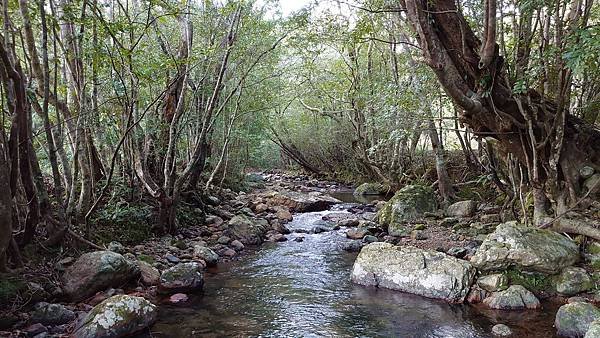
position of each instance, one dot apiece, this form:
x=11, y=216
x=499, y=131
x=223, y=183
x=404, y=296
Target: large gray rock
x=246, y=230
x=427, y=273
x=574, y=319
x=572, y=280
x=51, y=314
x=96, y=271
x=301, y=202
x=462, y=209
x=408, y=203
x=529, y=249
x=181, y=278
x=117, y=316
x=515, y=297
x=209, y=256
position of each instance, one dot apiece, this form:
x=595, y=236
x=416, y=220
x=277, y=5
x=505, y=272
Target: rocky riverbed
x=211, y=280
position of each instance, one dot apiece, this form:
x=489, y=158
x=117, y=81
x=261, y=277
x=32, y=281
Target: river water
x=303, y=289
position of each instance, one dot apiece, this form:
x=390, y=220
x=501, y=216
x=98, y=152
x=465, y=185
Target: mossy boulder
x=371, y=189
x=117, y=316
x=572, y=280
x=246, y=230
x=526, y=248
x=181, y=278
x=96, y=271
x=408, y=204
x=574, y=319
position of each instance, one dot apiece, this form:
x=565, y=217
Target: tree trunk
x=549, y=142
x=5, y=209
x=444, y=182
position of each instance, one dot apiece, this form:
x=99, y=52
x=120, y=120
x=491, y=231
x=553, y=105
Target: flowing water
x=303, y=289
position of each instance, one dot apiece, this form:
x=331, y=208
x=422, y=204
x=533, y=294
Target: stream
x=303, y=289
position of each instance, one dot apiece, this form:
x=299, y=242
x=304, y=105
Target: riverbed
x=303, y=289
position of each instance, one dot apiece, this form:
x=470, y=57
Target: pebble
x=172, y=259
x=237, y=245
x=229, y=253
x=178, y=298
x=501, y=330
x=224, y=240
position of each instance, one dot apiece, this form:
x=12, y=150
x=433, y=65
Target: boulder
x=247, y=230
x=96, y=271
x=501, y=330
x=150, y=275
x=574, y=319
x=51, y=314
x=117, y=316
x=370, y=189
x=408, y=203
x=493, y=283
x=515, y=297
x=462, y=209
x=594, y=330
x=181, y=278
x=529, y=249
x=427, y=273
x=572, y=280
x=301, y=202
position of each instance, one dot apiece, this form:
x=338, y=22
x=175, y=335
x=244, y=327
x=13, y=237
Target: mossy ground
x=533, y=282
x=11, y=286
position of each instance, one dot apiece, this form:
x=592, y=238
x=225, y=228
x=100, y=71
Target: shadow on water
x=303, y=289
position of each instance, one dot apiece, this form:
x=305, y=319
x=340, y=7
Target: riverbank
x=284, y=253
x=235, y=225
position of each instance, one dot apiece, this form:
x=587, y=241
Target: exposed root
x=579, y=226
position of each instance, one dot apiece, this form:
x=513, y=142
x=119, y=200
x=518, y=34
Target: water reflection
x=302, y=289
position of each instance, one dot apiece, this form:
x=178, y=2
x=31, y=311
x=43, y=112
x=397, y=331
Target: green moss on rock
x=407, y=204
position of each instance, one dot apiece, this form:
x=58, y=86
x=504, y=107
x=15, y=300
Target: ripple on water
x=303, y=289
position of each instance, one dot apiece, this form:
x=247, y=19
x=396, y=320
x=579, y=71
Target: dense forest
x=157, y=129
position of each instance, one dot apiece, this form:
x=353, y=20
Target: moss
x=10, y=288
x=593, y=248
x=534, y=282
x=145, y=258
x=406, y=204
x=419, y=227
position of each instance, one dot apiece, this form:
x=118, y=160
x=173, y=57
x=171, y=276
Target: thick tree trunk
x=549, y=142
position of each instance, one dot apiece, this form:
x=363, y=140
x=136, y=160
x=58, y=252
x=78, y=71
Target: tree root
x=579, y=226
